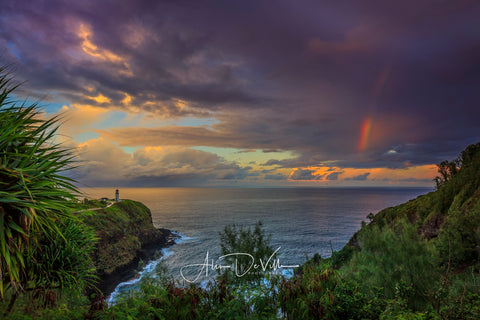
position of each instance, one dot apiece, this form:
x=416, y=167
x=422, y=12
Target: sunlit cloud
x=86, y=34
x=127, y=100
x=80, y=118
x=306, y=174
x=104, y=163
x=100, y=99
x=368, y=93
x=420, y=175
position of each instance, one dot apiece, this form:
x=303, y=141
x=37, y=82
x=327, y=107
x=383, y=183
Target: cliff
x=448, y=217
x=125, y=235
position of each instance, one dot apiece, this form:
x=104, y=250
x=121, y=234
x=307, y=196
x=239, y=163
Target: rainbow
x=367, y=124
x=365, y=133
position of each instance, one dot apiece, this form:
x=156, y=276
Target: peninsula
x=126, y=235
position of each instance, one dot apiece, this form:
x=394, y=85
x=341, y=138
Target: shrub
x=35, y=201
x=397, y=258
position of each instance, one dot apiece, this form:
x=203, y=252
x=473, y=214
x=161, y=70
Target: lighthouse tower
x=117, y=195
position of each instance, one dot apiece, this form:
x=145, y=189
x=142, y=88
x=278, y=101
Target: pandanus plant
x=34, y=195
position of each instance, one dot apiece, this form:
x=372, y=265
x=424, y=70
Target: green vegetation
x=159, y=298
x=237, y=239
x=93, y=203
x=418, y=260
x=42, y=249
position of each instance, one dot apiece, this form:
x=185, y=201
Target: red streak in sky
x=365, y=134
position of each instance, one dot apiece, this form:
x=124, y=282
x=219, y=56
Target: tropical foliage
x=40, y=247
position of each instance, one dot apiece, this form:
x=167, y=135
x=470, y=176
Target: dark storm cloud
x=304, y=174
x=334, y=175
x=155, y=56
x=300, y=76
x=272, y=162
x=360, y=177
x=277, y=176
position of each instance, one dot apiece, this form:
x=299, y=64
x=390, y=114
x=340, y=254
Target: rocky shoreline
x=109, y=281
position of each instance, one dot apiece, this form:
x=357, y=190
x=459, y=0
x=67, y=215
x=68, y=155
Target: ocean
x=301, y=221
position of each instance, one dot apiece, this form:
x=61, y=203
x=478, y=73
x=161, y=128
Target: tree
x=447, y=170
x=35, y=198
x=237, y=242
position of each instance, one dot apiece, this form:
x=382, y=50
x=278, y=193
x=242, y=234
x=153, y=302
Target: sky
x=252, y=92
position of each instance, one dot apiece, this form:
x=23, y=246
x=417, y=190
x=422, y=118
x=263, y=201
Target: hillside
x=448, y=217
x=125, y=235
x=417, y=260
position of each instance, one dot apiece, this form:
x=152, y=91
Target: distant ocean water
x=301, y=221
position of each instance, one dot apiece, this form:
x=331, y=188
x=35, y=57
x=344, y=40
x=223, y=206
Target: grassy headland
x=125, y=235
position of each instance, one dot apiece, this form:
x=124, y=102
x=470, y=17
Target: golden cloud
x=412, y=174
x=92, y=50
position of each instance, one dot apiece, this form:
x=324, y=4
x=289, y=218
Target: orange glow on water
x=365, y=133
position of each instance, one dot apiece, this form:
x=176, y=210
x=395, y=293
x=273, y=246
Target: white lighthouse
x=117, y=195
